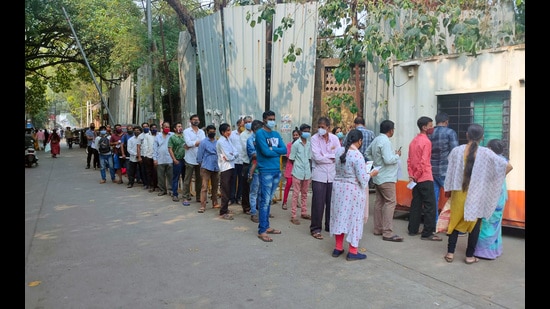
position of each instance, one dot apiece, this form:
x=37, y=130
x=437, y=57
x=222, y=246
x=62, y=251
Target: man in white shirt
x=147, y=167
x=134, y=145
x=193, y=136
x=243, y=176
x=236, y=187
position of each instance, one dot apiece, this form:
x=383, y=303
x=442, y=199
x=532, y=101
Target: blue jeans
x=106, y=161
x=176, y=174
x=439, y=182
x=268, y=184
x=254, y=193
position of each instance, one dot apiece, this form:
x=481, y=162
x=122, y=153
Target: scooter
x=30, y=157
x=30, y=152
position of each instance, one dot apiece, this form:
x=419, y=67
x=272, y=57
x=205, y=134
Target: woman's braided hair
x=474, y=134
x=352, y=137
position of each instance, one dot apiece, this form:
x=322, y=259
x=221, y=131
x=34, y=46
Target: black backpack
x=104, y=146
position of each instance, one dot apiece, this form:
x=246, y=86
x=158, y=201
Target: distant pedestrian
x=41, y=139
x=55, y=145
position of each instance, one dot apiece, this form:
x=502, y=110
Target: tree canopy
x=110, y=32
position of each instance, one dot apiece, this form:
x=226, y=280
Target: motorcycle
x=30, y=153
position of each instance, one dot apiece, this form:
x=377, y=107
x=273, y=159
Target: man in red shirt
x=419, y=168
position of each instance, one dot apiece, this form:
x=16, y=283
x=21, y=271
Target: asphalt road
x=91, y=245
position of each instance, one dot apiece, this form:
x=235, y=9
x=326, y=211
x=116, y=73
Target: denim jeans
x=254, y=195
x=269, y=182
x=176, y=175
x=106, y=161
x=439, y=182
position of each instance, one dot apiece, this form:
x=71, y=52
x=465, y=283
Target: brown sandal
x=265, y=238
x=306, y=216
x=317, y=235
x=201, y=210
x=284, y=206
x=295, y=221
x=273, y=231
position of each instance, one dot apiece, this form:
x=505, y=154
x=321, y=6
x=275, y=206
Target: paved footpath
x=91, y=245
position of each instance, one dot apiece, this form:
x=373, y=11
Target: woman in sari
x=54, y=140
x=489, y=243
x=473, y=183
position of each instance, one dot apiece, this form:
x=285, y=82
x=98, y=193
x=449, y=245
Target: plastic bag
x=48, y=147
x=443, y=219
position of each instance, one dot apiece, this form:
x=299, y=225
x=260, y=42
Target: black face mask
x=211, y=135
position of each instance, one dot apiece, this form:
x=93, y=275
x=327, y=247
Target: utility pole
x=168, y=85
x=88, y=65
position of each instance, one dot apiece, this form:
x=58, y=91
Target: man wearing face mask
x=90, y=136
x=105, y=158
x=269, y=149
x=323, y=149
x=207, y=157
x=193, y=136
x=162, y=159
x=146, y=142
x=243, y=176
x=150, y=140
x=134, y=149
x=300, y=156
x=176, y=148
x=118, y=153
x=419, y=168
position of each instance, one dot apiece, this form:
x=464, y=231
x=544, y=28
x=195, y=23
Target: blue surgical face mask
x=248, y=125
x=322, y=131
x=145, y=130
x=102, y=132
x=306, y=135
x=271, y=124
x=340, y=135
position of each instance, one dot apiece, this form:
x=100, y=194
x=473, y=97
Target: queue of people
x=335, y=169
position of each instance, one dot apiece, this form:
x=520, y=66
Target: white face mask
x=322, y=131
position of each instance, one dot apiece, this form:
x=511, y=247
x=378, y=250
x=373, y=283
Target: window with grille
x=489, y=109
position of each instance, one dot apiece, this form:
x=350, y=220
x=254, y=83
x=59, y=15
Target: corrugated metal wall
x=187, y=64
x=210, y=46
x=292, y=83
x=144, y=95
x=233, y=66
x=245, y=50
x=121, y=101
